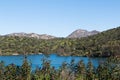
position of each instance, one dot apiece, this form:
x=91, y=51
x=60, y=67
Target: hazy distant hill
x=34, y=35
x=82, y=33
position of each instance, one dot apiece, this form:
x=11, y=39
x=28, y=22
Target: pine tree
x=81, y=71
x=90, y=71
x=25, y=70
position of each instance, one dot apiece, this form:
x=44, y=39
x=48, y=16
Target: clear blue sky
x=58, y=17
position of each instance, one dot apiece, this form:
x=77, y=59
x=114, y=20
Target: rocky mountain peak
x=82, y=33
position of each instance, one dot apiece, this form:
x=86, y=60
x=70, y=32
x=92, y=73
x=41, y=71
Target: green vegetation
x=104, y=44
x=109, y=70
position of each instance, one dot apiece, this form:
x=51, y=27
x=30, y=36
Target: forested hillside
x=105, y=44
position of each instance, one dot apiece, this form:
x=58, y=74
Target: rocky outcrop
x=34, y=35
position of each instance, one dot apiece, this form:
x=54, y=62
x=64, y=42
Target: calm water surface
x=36, y=60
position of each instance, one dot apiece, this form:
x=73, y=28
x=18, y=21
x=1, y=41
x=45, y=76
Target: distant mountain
x=82, y=33
x=34, y=35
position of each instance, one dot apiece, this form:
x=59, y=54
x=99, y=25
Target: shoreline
x=16, y=54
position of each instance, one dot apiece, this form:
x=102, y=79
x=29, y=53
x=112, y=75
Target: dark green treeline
x=109, y=70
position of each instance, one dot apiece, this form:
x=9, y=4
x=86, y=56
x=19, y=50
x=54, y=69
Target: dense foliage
x=109, y=70
x=106, y=43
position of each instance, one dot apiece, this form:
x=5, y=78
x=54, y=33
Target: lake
x=56, y=61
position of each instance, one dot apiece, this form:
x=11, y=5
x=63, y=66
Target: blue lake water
x=56, y=61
